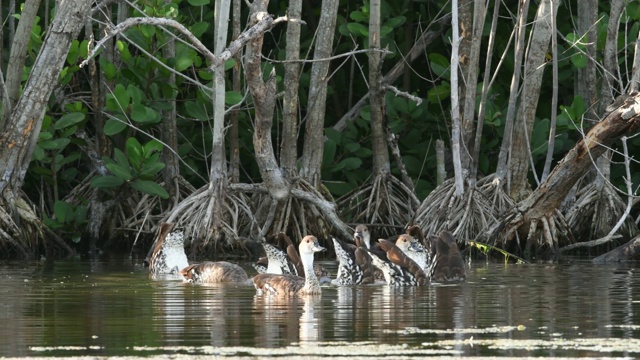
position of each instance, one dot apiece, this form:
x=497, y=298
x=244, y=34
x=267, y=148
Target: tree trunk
x=534, y=69
x=289, y=148
x=171, y=172
x=625, y=252
x=263, y=94
x=314, y=132
x=17, y=57
x=381, y=166
x=514, y=90
x=23, y=127
x=236, y=85
x=623, y=119
x=459, y=174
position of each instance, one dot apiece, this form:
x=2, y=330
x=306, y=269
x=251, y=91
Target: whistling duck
x=448, y=265
x=277, y=262
x=290, y=284
x=413, y=249
x=399, y=269
x=286, y=261
x=168, y=255
x=354, y=263
x=214, y=272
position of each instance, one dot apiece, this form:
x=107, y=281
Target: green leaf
x=359, y=16
x=350, y=163
x=196, y=110
x=439, y=93
x=579, y=61
x=135, y=152
x=149, y=187
x=199, y=2
x=139, y=113
x=120, y=158
x=152, y=146
x=439, y=64
x=122, y=96
x=122, y=172
x=183, y=62
x=152, y=168
x=396, y=21
x=38, y=154
x=63, y=211
x=199, y=28
x=358, y=29
x=113, y=127
x=232, y=97
x=108, y=181
x=136, y=94
x=68, y=120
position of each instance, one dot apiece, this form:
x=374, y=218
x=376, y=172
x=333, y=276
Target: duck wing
x=398, y=257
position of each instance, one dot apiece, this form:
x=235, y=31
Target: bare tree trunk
x=171, y=172
x=314, y=131
x=514, y=90
x=455, y=103
x=18, y=140
x=23, y=126
x=471, y=81
x=486, y=83
x=236, y=85
x=289, y=152
x=218, y=172
x=381, y=166
x=534, y=69
x=263, y=94
x=17, y=58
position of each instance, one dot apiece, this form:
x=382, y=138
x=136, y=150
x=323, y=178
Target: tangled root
x=383, y=201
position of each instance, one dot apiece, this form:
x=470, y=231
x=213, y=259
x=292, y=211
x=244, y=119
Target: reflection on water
x=114, y=308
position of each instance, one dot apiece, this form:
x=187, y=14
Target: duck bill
x=316, y=248
x=414, y=246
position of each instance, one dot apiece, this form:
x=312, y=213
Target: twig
x=405, y=94
x=265, y=23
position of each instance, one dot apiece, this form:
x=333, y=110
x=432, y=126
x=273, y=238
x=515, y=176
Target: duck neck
x=310, y=279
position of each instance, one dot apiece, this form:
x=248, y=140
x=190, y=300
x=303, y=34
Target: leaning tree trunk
x=19, y=139
x=17, y=58
x=533, y=219
x=598, y=206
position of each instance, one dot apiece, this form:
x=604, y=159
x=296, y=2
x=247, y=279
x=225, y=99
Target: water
x=96, y=308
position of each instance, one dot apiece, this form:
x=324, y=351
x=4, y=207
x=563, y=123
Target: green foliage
x=137, y=168
x=68, y=218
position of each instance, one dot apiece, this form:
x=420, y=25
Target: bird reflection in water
x=283, y=320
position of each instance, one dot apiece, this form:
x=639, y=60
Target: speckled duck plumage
x=287, y=284
x=168, y=256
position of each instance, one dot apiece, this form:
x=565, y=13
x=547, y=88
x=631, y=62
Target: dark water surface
x=99, y=308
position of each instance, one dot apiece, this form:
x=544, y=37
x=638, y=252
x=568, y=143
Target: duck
x=283, y=258
x=420, y=251
x=214, y=272
x=288, y=284
x=276, y=261
x=168, y=256
x=399, y=269
x=354, y=263
x=448, y=265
